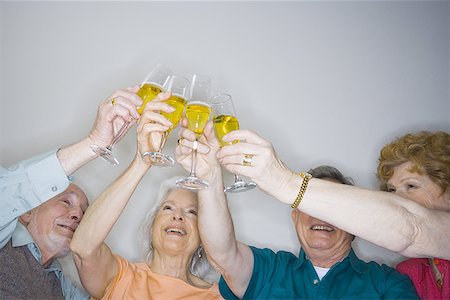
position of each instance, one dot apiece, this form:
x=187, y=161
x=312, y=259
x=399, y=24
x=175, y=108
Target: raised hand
x=207, y=145
x=255, y=158
x=152, y=125
x=112, y=113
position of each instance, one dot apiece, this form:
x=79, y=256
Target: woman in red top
x=417, y=167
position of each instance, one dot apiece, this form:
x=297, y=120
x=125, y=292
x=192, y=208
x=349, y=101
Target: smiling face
x=317, y=237
x=324, y=244
x=175, y=230
x=53, y=223
x=420, y=188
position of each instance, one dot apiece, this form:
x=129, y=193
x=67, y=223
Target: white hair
x=200, y=265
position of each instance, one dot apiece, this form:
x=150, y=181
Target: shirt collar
x=21, y=236
x=355, y=262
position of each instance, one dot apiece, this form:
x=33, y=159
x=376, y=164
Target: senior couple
x=185, y=226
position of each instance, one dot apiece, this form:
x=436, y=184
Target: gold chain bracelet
x=306, y=177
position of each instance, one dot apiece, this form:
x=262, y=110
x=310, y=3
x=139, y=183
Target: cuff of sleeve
x=47, y=176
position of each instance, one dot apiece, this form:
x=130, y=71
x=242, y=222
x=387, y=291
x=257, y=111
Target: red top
x=421, y=274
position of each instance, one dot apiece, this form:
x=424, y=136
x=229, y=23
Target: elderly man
x=326, y=268
x=40, y=209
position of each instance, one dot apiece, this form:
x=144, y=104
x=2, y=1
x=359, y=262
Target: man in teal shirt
x=327, y=267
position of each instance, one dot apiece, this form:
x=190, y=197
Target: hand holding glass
x=150, y=87
x=179, y=87
x=225, y=121
x=197, y=114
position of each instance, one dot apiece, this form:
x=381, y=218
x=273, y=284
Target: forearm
x=106, y=209
x=234, y=260
x=76, y=155
x=382, y=218
x=28, y=184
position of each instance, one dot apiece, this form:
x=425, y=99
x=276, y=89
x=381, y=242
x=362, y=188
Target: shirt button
x=316, y=281
x=54, y=189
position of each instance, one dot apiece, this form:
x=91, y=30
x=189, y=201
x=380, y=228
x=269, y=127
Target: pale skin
x=52, y=224
x=173, y=249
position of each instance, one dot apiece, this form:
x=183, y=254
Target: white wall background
x=326, y=82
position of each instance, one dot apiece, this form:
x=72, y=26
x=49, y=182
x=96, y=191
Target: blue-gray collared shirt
x=23, y=187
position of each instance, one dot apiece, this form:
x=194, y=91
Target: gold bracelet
x=306, y=177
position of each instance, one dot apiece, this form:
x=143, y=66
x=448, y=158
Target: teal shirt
x=281, y=275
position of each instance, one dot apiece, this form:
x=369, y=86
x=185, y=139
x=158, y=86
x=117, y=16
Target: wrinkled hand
x=266, y=169
x=111, y=116
x=207, y=166
x=152, y=125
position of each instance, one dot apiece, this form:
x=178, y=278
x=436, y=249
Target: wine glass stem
x=194, y=163
x=163, y=140
x=119, y=135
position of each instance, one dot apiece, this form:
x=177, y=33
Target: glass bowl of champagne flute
x=149, y=88
x=197, y=114
x=179, y=87
x=225, y=121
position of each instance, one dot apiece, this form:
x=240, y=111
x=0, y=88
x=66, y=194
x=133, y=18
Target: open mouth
x=322, y=228
x=66, y=227
x=176, y=231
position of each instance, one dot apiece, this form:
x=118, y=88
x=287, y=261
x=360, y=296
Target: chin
x=60, y=244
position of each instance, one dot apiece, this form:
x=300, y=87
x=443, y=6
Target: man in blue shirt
x=40, y=209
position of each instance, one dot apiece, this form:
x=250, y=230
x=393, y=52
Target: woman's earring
x=200, y=251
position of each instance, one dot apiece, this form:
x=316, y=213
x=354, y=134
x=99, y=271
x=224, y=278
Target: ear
x=26, y=218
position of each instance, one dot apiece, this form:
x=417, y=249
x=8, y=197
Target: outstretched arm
x=233, y=259
x=382, y=218
x=93, y=258
x=31, y=182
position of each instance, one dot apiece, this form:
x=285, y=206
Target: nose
x=76, y=214
x=178, y=215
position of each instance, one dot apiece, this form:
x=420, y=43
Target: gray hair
x=200, y=265
x=329, y=172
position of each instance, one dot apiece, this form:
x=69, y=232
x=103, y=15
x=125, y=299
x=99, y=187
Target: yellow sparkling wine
x=147, y=92
x=197, y=114
x=179, y=104
x=224, y=124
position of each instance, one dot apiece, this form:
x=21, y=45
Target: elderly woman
x=174, y=246
x=417, y=167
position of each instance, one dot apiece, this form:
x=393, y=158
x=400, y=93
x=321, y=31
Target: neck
x=326, y=258
x=47, y=255
x=171, y=265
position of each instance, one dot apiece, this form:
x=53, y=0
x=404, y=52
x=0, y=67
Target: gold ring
x=179, y=141
x=247, y=161
x=113, y=101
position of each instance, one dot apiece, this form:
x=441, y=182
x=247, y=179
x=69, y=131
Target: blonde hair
x=429, y=152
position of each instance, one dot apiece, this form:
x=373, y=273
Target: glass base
x=192, y=183
x=159, y=159
x=240, y=186
x=105, y=154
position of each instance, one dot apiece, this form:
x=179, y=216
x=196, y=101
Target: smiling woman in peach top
x=175, y=262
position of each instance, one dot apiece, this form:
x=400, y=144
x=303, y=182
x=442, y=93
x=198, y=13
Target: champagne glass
x=197, y=114
x=149, y=89
x=225, y=121
x=179, y=86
